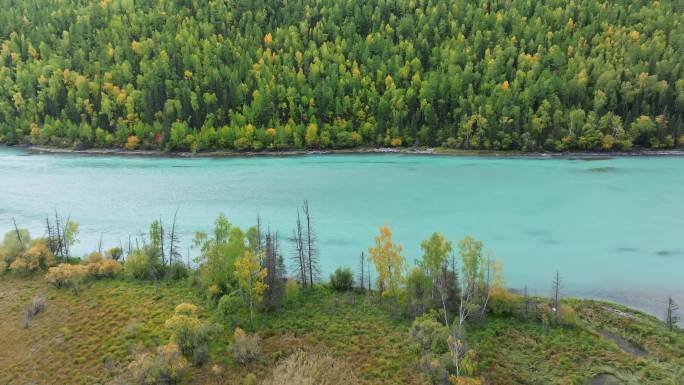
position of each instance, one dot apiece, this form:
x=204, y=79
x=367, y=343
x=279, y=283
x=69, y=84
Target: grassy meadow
x=87, y=338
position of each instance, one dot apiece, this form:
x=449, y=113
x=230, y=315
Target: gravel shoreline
x=590, y=155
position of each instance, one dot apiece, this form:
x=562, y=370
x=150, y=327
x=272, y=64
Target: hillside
x=194, y=75
x=86, y=338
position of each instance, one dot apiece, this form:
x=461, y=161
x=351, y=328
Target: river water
x=614, y=228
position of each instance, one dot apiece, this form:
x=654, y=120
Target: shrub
x=94, y=257
x=189, y=333
x=19, y=265
x=418, y=286
x=109, y=268
x=342, y=279
x=11, y=247
x=567, y=316
x=291, y=290
x=37, y=257
x=66, y=275
x=503, y=302
x=246, y=348
x=32, y=308
x=302, y=368
x=143, y=264
x=114, y=253
x=213, y=292
x=178, y=271
x=93, y=261
x=250, y=379
x=166, y=366
x=231, y=308
x=429, y=335
x=186, y=309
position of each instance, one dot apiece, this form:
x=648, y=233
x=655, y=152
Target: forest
x=266, y=75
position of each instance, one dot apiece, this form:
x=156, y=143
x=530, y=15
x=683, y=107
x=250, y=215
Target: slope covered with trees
x=270, y=75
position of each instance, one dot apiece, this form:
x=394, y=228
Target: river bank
x=442, y=151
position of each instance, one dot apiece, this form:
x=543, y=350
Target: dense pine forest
x=198, y=75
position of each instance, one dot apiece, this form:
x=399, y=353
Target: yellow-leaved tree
x=250, y=276
x=388, y=261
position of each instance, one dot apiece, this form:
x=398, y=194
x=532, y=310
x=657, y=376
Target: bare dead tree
x=671, y=317
x=369, y=280
x=362, y=275
x=99, y=244
x=57, y=236
x=299, y=261
x=526, y=303
x=556, y=288
x=16, y=230
x=311, y=250
x=174, y=240
x=281, y=260
x=487, y=287
x=443, y=290
x=161, y=243
x=130, y=247
x=258, y=234
x=51, y=236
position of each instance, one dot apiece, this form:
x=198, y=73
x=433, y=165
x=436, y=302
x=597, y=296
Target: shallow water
x=614, y=228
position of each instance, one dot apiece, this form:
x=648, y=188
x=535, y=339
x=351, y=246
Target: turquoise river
x=613, y=227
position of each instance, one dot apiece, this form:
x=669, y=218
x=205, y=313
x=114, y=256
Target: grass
x=87, y=338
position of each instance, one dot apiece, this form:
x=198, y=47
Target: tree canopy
x=193, y=75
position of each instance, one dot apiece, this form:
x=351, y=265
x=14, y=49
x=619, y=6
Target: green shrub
x=503, y=302
x=429, y=335
x=418, y=286
x=114, y=253
x=189, y=333
x=342, y=279
x=178, y=271
x=250, y=379
x=231, y=308
x=143, y=264
x=291, y=290
x=11, y=247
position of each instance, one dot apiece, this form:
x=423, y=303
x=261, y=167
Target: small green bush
x=189, y=333
x=429, y=335
x=291, y=290
x=143, y=264
x=250, y=379
x=503, y=302
x=114, y=253
x=178, y=271
x=231, y=308
x=342, y=279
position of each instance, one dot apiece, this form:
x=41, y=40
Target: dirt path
x=624, y=344
x=605, y=379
